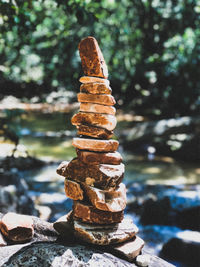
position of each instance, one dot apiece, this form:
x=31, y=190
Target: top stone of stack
x=92, y=59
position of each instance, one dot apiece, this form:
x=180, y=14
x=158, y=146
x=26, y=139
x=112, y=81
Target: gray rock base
x=48, y=249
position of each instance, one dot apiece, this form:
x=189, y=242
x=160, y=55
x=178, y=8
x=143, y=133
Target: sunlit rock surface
x=46, y=249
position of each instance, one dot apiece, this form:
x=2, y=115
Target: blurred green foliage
x=152, y=48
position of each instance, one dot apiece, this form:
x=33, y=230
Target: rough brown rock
x=95, y=88
x=102, y=176
x=129, y=250
x=61, y=170
x=65, y=225
x=45, y=251
x=107, y=100
x=93, y=131
x=95, y=144
x=89, y=157
x=17, y=227
x=92, y=59
x=88, y=79
x=113, y=201
x=73, y=190
x=105, y=234
x=2, y=241
x=97, y=108
x=95, y=119
x=90, y=214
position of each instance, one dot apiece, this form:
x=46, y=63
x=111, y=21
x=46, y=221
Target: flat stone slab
x=105, y=234
x=93, y=131
x=89, y=79
x=106, y=121
x=89, y=157
x=95, y=144
x=97, y=108
x=89, y=214
x=95, y=88
x=130, y=249
x=107, y=100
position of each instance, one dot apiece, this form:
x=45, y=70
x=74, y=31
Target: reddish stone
x=92, y=59
x=17, y=227
x=89, y=214
x=107, y=100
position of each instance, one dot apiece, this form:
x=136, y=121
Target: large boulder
x=183, y=249
x=47, y=248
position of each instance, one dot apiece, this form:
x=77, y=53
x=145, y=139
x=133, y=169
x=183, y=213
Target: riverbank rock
x=17, y=227
x=183, y=249
x=47, y=249
x=130, y=249
x=65, y=226
x=189, y=218
x=56, y=254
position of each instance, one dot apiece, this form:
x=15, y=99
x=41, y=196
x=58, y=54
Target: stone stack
x=94, y=178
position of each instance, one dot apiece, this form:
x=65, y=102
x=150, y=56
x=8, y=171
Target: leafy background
x=152, y=49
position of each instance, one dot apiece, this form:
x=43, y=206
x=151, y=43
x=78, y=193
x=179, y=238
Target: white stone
x=143, y=260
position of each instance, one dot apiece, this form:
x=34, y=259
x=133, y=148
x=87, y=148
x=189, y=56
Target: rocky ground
x=48, y=248
x=156, y=207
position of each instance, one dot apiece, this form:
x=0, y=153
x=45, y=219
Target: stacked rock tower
x=94, y=178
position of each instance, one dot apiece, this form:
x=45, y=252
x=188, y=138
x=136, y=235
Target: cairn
x=93, y=180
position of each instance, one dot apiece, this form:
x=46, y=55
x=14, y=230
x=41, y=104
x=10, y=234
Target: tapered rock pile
x=94, y=178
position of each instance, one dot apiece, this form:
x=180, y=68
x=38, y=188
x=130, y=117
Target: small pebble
x=143, y=260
